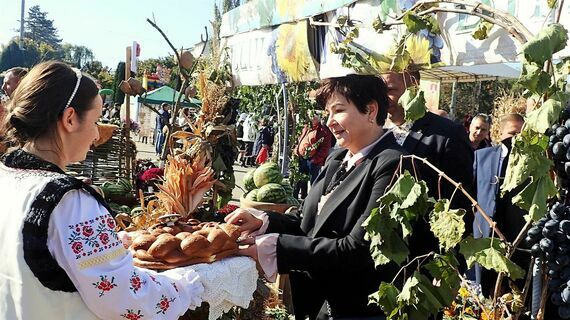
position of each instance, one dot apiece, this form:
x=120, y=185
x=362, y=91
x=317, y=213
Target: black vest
x=35, y=229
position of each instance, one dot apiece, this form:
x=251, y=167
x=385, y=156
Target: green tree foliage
x=41, y=29
x=118, y=95
x=12, y=56
x=76, y=55
x=229, y=5
x=216, y=24
x=101, y=73
x=149, y=65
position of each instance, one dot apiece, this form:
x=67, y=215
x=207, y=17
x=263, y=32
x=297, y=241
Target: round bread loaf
x=195, y=245
x=163, y=245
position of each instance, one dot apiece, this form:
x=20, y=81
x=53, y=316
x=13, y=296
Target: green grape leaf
x=409, y=294
x=493, y=259
x=414, y=104
x=527, y=158
x=534, y=78
x=432, y=24
x=547, y=42
x=551, y=3
x=341, y=20
x=544, y=117
x=470, y=246
x=447, y=224
x=378, y=25
x=386, y=297
x=443, y=268
x=482, y=30
x=413, y=22
x=534, y=196
x=388, y=225
x=385, y=243
x=430, y=300
x=400, y=61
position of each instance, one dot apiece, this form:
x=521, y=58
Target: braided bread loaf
x=164, y=247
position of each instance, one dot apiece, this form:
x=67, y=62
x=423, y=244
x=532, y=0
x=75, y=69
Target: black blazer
x=444, y=144
x=325, y=254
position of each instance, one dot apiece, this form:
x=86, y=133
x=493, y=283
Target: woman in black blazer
x=322, y=246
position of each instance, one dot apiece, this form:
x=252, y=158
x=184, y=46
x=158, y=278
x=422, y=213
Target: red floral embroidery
x=87, y=231
x=136, y=282
x=111, y=223
x=93, y=236
x=131, y=315
x=164, y=304
x=104, y=237
x=77, y=247
x=105, y=285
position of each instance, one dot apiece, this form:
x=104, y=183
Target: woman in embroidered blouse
x=322, y=246
x=62, y=258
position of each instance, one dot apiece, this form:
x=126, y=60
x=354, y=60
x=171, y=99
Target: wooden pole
x=127, y=116
x=128, y=97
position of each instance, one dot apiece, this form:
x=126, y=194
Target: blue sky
x=107, y=27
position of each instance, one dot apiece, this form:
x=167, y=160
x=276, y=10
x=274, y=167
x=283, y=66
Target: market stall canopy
x=482, y=72
x=166, y=94
x=277, y=41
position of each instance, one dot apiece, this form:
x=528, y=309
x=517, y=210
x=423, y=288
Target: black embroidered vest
x=35, y=228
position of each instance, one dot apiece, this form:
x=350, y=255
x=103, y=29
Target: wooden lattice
x=109, y=161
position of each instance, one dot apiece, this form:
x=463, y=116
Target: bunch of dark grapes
x=550, y=241
x=559, y=148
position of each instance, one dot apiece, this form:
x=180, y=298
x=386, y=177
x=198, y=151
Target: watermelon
x=248, y=180
x=272, y=192
x=252, y=195
x=292, y=200
x=285, y=184
x=267, y=173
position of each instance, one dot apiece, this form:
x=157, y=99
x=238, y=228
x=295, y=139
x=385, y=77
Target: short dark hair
x=511, y=117
x=483, y=117
x=41, y=98
x=19, y=72
x=358, y=89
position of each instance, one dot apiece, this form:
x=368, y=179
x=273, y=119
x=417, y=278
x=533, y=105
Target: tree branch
x=485, y=12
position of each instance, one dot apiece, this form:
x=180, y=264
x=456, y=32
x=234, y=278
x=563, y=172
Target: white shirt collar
x=504, y=151
x=352, y=160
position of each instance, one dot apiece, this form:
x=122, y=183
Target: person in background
x=440, y=112
x=479, y=131
x=12, y=78
x=489, y=170
x=183, y=120
x=161, y=121
x=264, y=138
x=443, y=143
x=62, y=258
x=115, y=112
x=249, y=133
x=239, y=137
x=314, y=146
x=322, y=247
x=106, y=112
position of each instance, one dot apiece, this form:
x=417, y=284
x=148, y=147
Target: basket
x=105, y=133
x=264, y=206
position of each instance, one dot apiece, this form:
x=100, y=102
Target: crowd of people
x=350, y=156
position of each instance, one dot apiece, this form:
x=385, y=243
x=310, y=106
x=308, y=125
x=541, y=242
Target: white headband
x=78, y=74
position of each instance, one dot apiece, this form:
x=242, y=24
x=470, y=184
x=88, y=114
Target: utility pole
x=21, y=42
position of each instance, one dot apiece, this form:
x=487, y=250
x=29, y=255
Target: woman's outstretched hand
x=246, y=221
